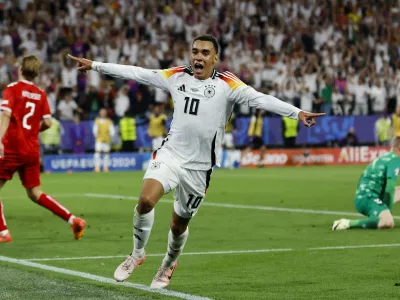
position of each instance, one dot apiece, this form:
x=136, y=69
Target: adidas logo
x=182, y=88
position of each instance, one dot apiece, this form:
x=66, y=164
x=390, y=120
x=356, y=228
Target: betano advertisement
x=320, y=156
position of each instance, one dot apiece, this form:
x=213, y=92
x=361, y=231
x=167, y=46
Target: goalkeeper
x=376, y=192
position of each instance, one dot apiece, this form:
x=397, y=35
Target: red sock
x=56, y=208
x=3, y=225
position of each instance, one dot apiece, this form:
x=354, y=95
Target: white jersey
x=201, y=108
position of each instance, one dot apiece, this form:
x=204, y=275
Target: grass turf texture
x=302, y=274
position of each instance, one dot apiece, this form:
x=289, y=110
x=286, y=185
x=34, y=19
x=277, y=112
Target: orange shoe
x=6, y=238
x=106, y=170
x=78, y=227
x=97, y=170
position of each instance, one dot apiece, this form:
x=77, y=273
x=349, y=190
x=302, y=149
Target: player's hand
x=1, y=150
x=83, y=63
x=308, y=119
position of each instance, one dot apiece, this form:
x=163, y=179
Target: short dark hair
x=208, y=38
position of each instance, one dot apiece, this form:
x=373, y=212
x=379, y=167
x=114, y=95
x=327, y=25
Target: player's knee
x=145, y=205
x=33, y=194
x=177, y=228
x=386, y=223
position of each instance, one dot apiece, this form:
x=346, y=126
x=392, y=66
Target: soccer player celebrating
x=24, y=113
x=376, y=192
x=203, y=101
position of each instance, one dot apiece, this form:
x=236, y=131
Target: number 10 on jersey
x=193, y=107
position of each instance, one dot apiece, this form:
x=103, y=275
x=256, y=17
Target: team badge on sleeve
x=209, y=92
x=155, y=165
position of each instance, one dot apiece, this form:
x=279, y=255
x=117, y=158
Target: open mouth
x=198, y=67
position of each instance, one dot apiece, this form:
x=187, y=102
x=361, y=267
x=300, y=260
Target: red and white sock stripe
x=58, y=204
x=3, y=224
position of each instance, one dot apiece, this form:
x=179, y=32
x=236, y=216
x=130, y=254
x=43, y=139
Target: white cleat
x=163, y=277
x=341, y=224
x=126, y=268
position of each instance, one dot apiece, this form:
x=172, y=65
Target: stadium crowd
x=341, y=57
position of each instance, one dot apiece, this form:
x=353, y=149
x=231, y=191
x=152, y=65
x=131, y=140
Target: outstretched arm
x=156, y=78
x=244, y=94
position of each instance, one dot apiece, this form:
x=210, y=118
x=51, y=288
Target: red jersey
x=28, y=106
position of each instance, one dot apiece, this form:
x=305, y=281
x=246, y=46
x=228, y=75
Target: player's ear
x=216, y=58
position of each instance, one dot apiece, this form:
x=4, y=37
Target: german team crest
x=209, y=92
x=155, y=165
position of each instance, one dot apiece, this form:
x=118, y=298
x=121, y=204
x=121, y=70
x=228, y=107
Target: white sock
x=4, y=232
x=97, y=160
x=106, y=162
x=71, y=219
x=175, y=247
x=142, y=225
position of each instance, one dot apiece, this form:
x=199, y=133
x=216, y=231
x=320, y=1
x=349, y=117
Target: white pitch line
x=239, y=206
x=353, y=247
x=163, y=254
x=224, y=252
x=101, y=279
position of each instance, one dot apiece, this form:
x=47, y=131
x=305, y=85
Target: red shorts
x=28, y=169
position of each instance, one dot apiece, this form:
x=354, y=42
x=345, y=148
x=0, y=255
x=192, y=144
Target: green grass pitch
x=296, y=272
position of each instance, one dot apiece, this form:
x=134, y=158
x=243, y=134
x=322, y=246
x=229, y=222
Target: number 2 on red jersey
x=32, y=107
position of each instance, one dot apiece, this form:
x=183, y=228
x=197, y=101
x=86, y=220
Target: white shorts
x=156, y=142
x=190, y=185
x=102, y=147
x=228, y=140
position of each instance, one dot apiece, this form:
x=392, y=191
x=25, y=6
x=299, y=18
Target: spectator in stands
x=360, y=93
x=326, y=95
x=78, y=136
x=131, y=50
x=290, y=129
x=378, y=97
x=307, y=98
x=67, y=108
x=52, y=99
x=348, y=103
x=69, y=74
x=350, y=140
x=382, y=131
x=140, y=105
x=127, y=129
x=106, y=97
x=122, y=102
x=157, y=126
x=5, y=73
x=6, y=41
x=337, y=102
x=103, y=131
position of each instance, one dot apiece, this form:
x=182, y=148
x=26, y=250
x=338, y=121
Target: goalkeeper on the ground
x=376, y=192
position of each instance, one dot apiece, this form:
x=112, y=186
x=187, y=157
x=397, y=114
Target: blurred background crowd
x=341, y=57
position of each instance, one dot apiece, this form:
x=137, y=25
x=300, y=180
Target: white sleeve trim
x=46, y=116
x=6, y=109
x=94, y=65
x=4, y=102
